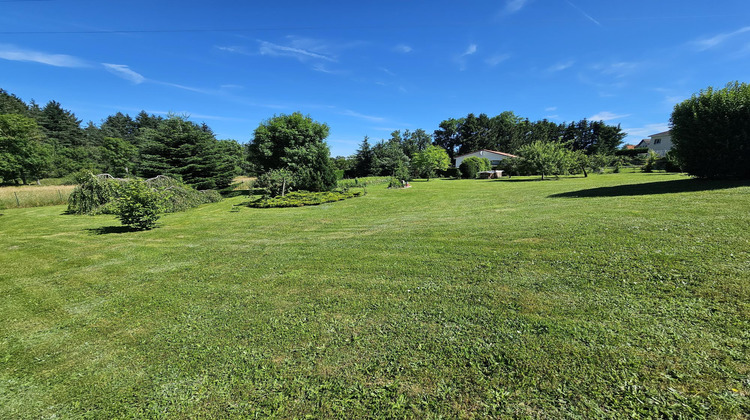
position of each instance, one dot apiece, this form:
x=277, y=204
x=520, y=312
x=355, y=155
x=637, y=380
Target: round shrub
x=139, y=206
x=711, y=132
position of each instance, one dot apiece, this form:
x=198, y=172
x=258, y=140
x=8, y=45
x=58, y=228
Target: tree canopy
x=711, y=132
x=294, y=142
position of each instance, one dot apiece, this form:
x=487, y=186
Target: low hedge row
x=304, y=198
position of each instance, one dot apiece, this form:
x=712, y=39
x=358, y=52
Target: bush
x=304, y=198
x=651, y=160
x=452, y=173
x=711, y=132
x=139, y=205
x=276, y=182
x=471, y=166
x=94, y=193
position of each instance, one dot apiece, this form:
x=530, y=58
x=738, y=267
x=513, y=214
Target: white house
x=661, y=143
x=493, y=156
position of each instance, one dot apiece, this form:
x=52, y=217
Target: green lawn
x=608, y=296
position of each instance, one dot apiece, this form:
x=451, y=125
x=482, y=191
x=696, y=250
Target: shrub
x=139, y=205
x=711, y=132
x=179, y=196
x=94, y=193
x=471, y=166
x=276, y=182
x=304, y=198
x=453, y=173
x=651, y=160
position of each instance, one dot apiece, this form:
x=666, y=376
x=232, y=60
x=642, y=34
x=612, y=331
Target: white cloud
x=561, y=66
x=402, y=48
x=512, y=6
x=9, y=52
x=351, y=113
x=293, y=51
x=123, y=71
x=715, y=41
x=640, y=132
x=607, y=116
x=496, y=59
x=551, y=109
x=471, y=49
x=586, y=15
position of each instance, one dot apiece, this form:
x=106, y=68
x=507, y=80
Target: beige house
x=494, y=156
x=661, y=143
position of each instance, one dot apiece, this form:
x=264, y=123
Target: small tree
x=650, y=164
x=139, y=206
x=546, y=158
x=711, y=132
x=430, y=160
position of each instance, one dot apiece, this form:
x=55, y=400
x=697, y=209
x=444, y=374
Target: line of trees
x=49, y=141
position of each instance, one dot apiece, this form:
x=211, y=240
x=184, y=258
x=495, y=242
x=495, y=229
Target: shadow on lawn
x=104, y=230
x=652, y=188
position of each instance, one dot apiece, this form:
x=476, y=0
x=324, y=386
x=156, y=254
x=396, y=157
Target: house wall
x=493, y=157
x=661, y=144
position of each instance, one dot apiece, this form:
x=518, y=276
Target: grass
x=620, y=295
x=34, y=195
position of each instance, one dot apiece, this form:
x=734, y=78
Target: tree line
x=50, y=141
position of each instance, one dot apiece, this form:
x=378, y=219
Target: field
x=619, y=295
x=34, y=195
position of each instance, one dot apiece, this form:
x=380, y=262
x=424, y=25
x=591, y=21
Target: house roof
x=661, y=134
x=486, y=150
x=629, y=147
x=643, y=143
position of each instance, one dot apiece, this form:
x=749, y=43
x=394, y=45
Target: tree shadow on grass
x=653, y=188
x=104, y=230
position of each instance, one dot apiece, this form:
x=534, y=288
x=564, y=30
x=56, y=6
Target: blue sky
x=371, y=67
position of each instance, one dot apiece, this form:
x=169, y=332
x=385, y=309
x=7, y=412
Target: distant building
x=660, y=143
x=494, y=156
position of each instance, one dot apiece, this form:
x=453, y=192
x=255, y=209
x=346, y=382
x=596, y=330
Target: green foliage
x=363, y=182
x=94, y=194
x=631, y=152
x=711, y=132
x=23, y=155
x=178, y=196
x=471, y=166
x=304, y=198
x=389, y=159
x=430, y=160
x=276, y=182
x=189, y=152
x=546, y=159
x=295, y=143
x=650, y=164
x=139, y=205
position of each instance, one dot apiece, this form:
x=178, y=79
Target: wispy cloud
x=496, y=59
x=402, y=48
x=301, y=54
x=637, y=133
x=471, y=49
x=513, y=6
x=12, y=53
x=461, y=58
x=386, y=71
x=551, y=109
x=561, y=66
x=617, y=69
x=586, y=15
x=123, y=71
x=350, y=113
x=715, y=41
x=607, y=116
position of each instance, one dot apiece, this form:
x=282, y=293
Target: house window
x=657, y=141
